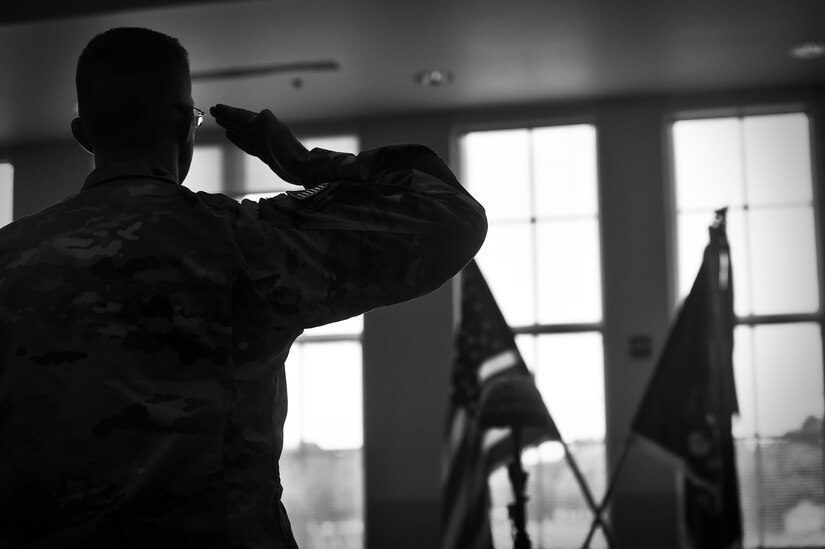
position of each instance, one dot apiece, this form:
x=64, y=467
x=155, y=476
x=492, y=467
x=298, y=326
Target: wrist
x=321, y=165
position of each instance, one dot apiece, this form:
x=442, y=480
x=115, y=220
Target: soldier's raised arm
x=381, y=227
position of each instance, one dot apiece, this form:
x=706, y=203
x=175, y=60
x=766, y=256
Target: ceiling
x=501, y=53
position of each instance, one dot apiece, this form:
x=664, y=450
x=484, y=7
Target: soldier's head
x=134, y=93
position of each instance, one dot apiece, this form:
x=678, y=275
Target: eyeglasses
x=198, y=113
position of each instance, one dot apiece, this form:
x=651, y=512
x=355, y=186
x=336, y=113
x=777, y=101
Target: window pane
x=788, y=364
x=781, y=489
x=497, y=168
x=708, y=163
x=569, y=271
x=778, y=159
x=564, y=160
x=340, y=143
x=324, y=496
x=506, y=261
x=350, y=326
x=295, y=374
x=325, y=395
x=784, y=269
x=259, y=178
x=569, y=373
x=206, y=171
x=568, y=369
x=779, y=381
x=6, y=194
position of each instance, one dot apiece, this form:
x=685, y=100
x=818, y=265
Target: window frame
x=533, y=123
x=537, y=329
x=740, y=112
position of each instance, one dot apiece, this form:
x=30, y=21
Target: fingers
x=231, y=113
x=241, y=128
x=265, y=136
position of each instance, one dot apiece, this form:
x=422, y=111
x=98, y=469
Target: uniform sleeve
x=379, y=228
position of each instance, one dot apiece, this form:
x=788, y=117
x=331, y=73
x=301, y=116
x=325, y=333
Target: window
x=542, y=260
x=322, y=466
x=206, y=171
x=760, y=168
x=322, y=463
x=6, y=194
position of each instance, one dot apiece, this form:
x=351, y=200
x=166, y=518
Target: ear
x=183, y=125
x=80, y=135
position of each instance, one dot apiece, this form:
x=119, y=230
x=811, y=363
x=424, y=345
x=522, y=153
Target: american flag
x=486, y=352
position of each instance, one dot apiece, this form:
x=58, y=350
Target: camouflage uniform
x=144, y=328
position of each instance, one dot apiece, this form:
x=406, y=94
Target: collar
x=127, y=170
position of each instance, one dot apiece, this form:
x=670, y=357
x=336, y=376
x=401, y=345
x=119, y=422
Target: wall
x=407, y=358
x=632, y=168
x=408, y=348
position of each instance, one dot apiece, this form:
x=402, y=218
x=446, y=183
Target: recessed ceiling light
x=808, y=50
x=434, y=78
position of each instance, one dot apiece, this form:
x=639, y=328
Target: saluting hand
x=265, y=136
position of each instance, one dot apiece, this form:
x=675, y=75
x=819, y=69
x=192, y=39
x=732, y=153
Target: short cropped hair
x=128, y=80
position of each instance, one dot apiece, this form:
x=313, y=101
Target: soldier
x=144, y=327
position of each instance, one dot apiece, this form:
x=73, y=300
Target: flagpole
x=518, y=509
x=625, y=449
x=597, y=519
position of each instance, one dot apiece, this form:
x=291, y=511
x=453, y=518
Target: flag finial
x=720, y=219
